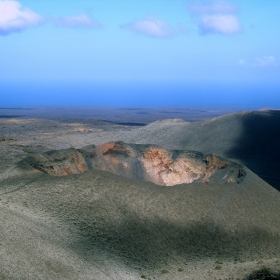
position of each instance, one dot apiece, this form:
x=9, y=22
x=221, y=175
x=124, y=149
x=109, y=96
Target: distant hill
x=251, y=138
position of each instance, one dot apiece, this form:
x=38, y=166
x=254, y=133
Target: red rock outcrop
x=162, y=166
x=161, y=169
x=140, y=162
x=57, y=163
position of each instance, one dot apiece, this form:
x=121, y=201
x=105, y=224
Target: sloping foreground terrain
x=98, y=225
x=251, y=138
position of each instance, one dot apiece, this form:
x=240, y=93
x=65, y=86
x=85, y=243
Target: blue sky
x=141, y=52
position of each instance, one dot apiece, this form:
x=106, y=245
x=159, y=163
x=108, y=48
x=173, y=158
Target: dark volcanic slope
x=252, y=138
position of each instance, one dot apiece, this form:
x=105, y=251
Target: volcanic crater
x=141, y=162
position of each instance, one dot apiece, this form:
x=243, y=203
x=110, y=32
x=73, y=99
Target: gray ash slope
x=251, y=138
x=97, y=223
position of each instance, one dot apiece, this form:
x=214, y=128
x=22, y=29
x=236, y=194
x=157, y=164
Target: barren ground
x=97, y=225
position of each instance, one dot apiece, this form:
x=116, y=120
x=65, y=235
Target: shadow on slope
x=263, y=274
x=258, y=145
x=151, y=244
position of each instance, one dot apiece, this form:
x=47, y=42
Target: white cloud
x=15, y=18
x=266, y=61
x=78, y=21
x=216, y=17
x=223, y=24
x=152, y=26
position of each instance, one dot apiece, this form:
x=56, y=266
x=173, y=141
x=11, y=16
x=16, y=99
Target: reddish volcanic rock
x=140, y=162
x=115, y=148
x=57, y=163
x=163, y=170
x=162, y=166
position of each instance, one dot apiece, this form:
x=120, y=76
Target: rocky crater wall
x=141, y=162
